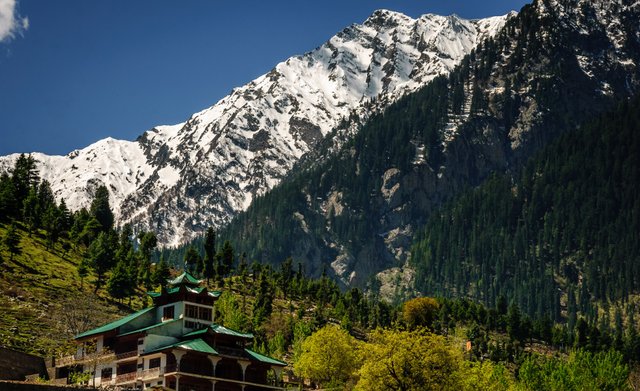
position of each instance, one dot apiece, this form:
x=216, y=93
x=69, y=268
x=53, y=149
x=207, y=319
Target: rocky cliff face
x=553, y=66
x=177, y=180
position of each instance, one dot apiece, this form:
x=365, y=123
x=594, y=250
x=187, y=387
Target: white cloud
x=11, y=24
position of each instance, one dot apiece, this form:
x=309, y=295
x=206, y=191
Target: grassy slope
x=41, y=298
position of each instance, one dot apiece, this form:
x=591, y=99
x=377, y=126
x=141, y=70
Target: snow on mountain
x=177, y=180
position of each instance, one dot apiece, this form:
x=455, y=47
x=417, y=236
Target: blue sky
x=76, y=71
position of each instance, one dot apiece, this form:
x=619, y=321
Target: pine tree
x=101, y=210
x=209, y=254
x=227, y=258
x=161, y=273
x=100, y=256
x=119, y=283
x=8, y=202
x=30, y=208
x=191, y=259
x=24, y=176
x=12, y=241
x=51, y=222
x=83, y=271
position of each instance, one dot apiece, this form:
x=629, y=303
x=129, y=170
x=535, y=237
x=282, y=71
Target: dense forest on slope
x=56, y=285
x=355, y=213
x=557, y=239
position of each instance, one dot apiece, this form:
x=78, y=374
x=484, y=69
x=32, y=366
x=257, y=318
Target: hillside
x=552, y=67
x=559, y=239
x=44, y=301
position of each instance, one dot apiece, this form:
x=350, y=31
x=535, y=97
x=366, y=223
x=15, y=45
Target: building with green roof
x=175, y=344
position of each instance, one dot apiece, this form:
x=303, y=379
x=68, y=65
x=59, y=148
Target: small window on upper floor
x=168, y=313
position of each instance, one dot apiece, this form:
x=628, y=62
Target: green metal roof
x=115, y=324
x=177, y=288
x=197, y=332
x=197, y=345
x=264, y=359
x=153, y=326
x=184, y=278
x=219, y=329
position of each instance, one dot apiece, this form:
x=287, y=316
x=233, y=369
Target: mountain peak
x=180, y=179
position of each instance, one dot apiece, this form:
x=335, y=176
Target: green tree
x=329, y=357
x=148, y=242
x=227, y=258
x=24, y=176
x=119, y=283
x=83, y=271
x=582, y=370
x=209, y=253
x=51, y=222
x=8, y=201
x=420, y=312
x=30, y=210
x=101, y=210
x=409, y=361
x=161, y=273
x=100, y=256
x=191, y=258
x=90, y=231
x=12, y=241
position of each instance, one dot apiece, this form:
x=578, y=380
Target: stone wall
x=16, y=365
x=19, y=386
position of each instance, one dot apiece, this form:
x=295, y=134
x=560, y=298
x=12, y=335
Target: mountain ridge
x=178, y=179
x=544, y=73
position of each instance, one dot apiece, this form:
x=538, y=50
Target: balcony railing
x=122, y=356
x=126, y=377
x=81, y=358
x=151, y=373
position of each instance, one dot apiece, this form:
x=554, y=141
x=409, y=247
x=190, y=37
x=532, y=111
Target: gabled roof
x=153, y=326
x=184, y=279
x=219, y=329
x=115, y=324
x=176, y=289
x=265, y=359
x=197, y=345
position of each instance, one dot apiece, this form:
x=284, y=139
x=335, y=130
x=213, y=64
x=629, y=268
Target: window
x=168, y=312
x=154, y=362
x=106, y=373
x=191, y=311
x=140, y=341
x=205, y=313
x=195, y=312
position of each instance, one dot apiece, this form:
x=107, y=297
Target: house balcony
x=126, y=355
x=152, y=373
x=172, y=370
x=83, y=358
x=124, y=378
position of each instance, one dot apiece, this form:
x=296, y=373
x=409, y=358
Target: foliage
x=409, y=360
x=101, y=210
x=329, y=356
x=12, y=240
x=581, y=371
x=420, y=312
x=565, y=226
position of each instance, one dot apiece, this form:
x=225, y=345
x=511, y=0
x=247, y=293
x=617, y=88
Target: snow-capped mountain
x=177, y=180
x=554, y=66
